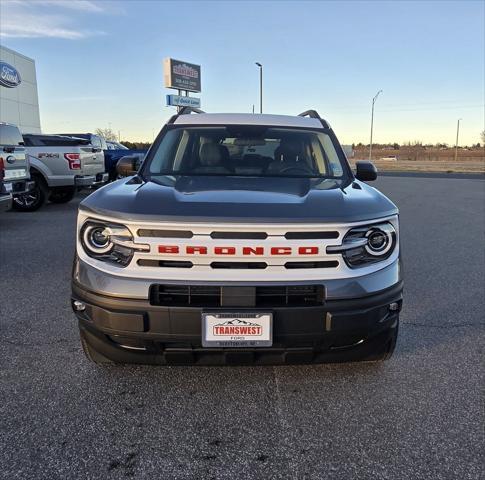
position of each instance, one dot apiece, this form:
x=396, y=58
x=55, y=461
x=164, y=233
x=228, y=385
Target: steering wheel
x=300, y=170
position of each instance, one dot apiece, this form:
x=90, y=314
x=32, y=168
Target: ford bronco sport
x=241, y=239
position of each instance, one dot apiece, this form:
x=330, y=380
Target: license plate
x=17, y=173
x=237, y=330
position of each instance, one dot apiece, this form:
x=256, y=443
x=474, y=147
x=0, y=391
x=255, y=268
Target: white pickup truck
x=59, y=165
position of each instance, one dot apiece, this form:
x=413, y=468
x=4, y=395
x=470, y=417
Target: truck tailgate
x=91, y=162
x=15, y=164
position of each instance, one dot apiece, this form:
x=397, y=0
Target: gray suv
x=241, y=239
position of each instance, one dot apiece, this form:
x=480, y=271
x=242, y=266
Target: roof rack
x=314, y=114
x=310, y=113
x=188, y=110
x=184, y=111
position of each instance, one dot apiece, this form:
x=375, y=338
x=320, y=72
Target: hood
x=239, y=199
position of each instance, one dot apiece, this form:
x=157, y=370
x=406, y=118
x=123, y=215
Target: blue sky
x=99, y=63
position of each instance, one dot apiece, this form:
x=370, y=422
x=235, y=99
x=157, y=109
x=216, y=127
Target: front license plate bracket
x=237, y=329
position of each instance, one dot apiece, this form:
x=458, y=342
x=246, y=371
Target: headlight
x=96, y=238
x=109, y=242
x=368, y=244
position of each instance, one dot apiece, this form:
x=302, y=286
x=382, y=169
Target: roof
x=247, y=119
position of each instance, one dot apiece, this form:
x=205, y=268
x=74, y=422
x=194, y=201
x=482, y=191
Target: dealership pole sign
x=181, y=75
x=9, y=76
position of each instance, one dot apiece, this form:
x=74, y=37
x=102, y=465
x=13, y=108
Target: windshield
x=245, y=151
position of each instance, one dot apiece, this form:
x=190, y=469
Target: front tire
x=62, y=194
x=33, y=199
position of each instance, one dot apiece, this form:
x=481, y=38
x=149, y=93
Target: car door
x=95, y=162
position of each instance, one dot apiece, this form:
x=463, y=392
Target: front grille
x=144, y=232
x=185, y=295
x=323, y=264
x=240, y=265
x=240, y=235
x=310, y=235
x=212, y=296
x=165, y=263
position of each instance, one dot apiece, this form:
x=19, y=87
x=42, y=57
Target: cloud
x=21, y=19
x=82, y=5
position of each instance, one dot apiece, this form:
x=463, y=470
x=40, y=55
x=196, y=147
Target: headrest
x=210, y=154
x=287, y=152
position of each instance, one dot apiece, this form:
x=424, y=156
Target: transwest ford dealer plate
x=237, y=330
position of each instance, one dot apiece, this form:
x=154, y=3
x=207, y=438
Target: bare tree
x=107, y=133
x=482, y=136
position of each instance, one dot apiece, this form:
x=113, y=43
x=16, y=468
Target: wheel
x=62, y=194
x=91, y=353
x=33, y=199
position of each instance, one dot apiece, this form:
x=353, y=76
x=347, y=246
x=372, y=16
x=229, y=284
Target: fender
x=50, y=178
x=36, y=166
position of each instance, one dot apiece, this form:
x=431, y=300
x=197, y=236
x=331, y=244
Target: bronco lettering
x=200, y=250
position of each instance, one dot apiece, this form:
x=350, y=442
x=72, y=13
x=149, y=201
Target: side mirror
x=128, y=165
x=366, y=171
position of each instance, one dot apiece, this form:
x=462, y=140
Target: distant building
x=19, y=102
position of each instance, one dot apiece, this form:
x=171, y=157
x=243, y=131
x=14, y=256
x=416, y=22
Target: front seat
x=212, y=158
x=287, y=155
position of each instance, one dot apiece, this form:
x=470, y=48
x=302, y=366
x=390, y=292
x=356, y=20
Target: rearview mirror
x=128, y=165
x=365, y=171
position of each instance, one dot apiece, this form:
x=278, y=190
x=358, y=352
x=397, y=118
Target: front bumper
x=19, y=187
x=134, y=331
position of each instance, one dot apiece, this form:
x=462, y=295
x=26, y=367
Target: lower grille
x=213, y=296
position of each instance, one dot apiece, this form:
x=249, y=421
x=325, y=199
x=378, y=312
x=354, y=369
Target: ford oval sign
x=9, y=76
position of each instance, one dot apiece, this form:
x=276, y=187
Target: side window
x=10, y=135
x=96, y=141
x=336, y=169
x=164, y=156
x=318, y=156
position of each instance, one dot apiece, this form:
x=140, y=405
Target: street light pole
x=456, y=144
x=372, y=123
x=260, y=86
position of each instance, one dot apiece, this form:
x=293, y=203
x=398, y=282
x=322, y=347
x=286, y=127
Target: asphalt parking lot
x=420, y=415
